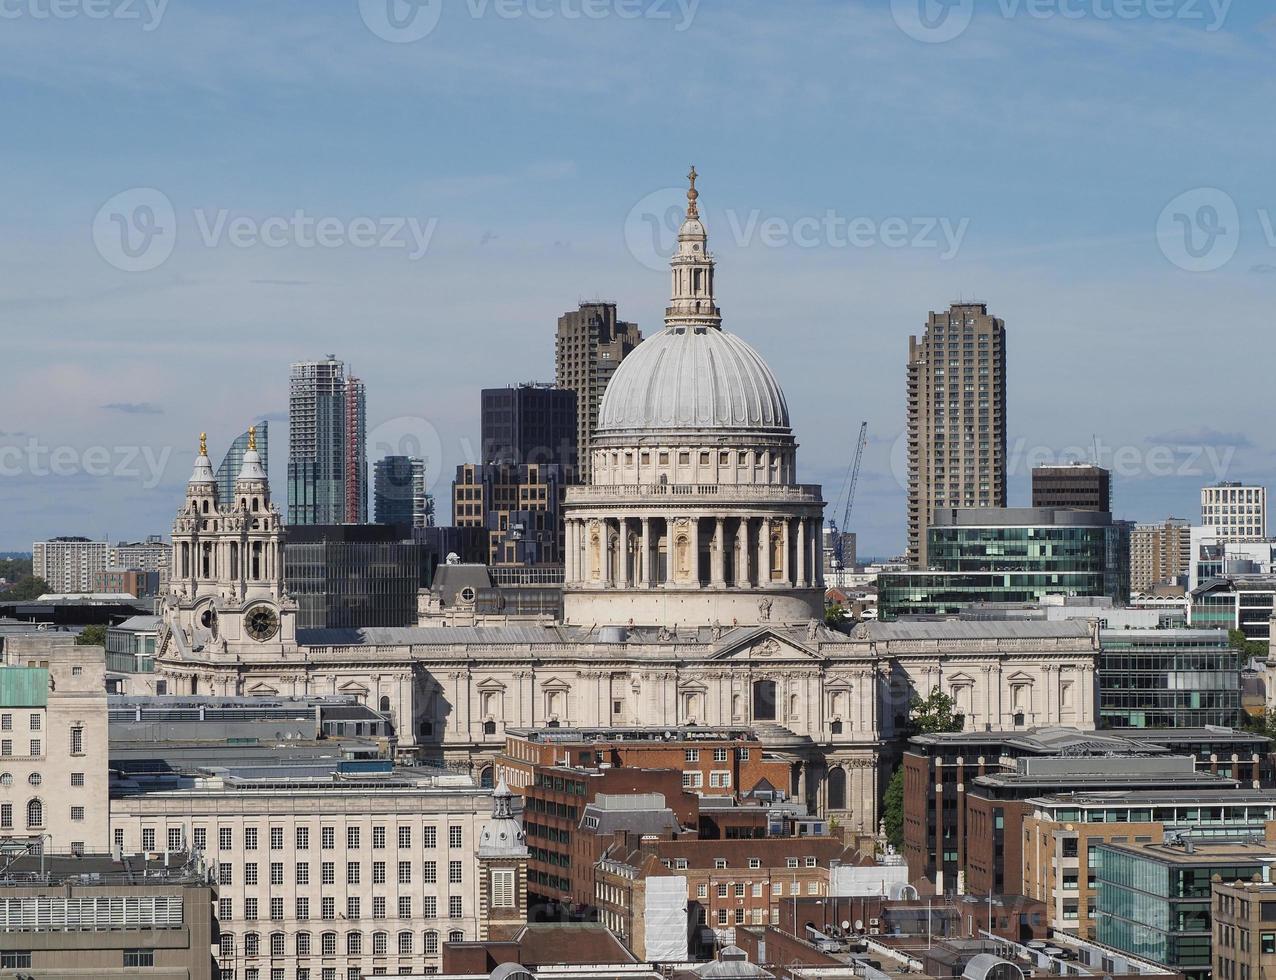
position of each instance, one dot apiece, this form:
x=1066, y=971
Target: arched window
x=836, y=728
x=380, y=943
x=385, y=705
x=303, y=944
x=251, y=943
x=486, y=778
x=35, y=814
x=456, y=936
x=328, y=944
x=227, y=944
x=405, y=944
x=276, y=944
x=837, y=788
x=489, y=728
x=430, y=942
x=354, y=943
x=764, y=700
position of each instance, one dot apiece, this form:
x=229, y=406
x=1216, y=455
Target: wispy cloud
x=133, y=408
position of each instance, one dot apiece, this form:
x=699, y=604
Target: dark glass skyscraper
x=529, y=424
x=398, y=493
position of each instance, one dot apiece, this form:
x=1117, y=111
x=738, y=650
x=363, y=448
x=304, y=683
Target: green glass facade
x=1236, y=604
x=1168, y=679
x=1012, y=563
x=1158, y=909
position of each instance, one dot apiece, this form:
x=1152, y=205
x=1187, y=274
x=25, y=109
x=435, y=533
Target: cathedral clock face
x=261, y=623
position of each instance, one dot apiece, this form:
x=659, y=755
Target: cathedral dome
x=693, y=378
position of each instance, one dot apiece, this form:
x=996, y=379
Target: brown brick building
x=944, y=845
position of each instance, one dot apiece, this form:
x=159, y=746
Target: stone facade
x=694, y=595
x=53, y=745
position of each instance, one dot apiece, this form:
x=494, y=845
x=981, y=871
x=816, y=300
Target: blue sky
x=1067, y=147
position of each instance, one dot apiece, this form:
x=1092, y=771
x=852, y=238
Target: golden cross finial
x=203, y=443
x=693, y=195
x=252, y=438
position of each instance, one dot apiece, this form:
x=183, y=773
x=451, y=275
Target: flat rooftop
x=1158, y=798
x=1201, y=852
x=652, y=733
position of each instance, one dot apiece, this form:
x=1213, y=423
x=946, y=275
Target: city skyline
x=1064, y=262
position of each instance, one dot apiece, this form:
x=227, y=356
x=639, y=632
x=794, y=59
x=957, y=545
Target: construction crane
x=852, y=478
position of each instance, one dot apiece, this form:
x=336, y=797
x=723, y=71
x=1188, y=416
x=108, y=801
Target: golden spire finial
x=693, y=195
x=203, y=443
x=252, y=438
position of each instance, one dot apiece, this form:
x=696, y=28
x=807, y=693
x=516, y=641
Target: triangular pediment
x=1019, y=677
x=961, y=678
x=763, y=646
x=555, y=684
x=262, y=691
x=490, y=684
x=353, y=688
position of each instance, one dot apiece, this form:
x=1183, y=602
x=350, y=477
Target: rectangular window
x=276, y=909
x=276, y=838
x=35, y=723
x=454, y=906
x=77, y=740
x=454, y=872
x=148, y=839
x=405, y=872
x=431, y=872
x=174, y=833
x=352, y=873
x=378, y=872
x=276, y=872
x=250, y=873
x=303, y=838
x=352, y=838
x=454, y=836
x=378, y=838
x=328, y=873
x=303, y=872
x=503, y=888
x=431, y=907
x=430, y=837
x=36, y=747
x=329, y=838
x=303, y=913
x=139, y=957
x=250, y=838
x=405, y=837
x=405, y=907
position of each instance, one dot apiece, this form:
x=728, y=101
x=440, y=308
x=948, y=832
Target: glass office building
x=1154, y=899
x=997, y=554
x=1168, y=679
x=1246, y=603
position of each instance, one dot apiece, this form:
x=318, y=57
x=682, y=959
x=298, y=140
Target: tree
x=893, y=808
x=834, y=614
x=28, y=587
x=1247, y=648
x=933, y=714
x=92, y=636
